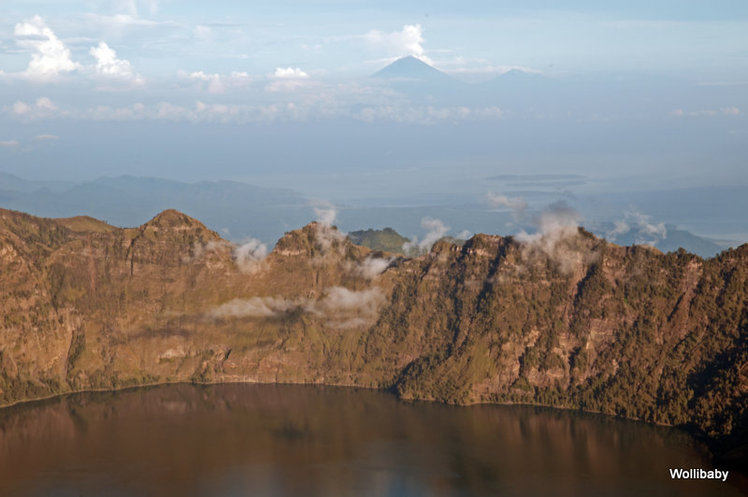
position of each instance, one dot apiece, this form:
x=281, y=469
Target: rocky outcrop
x=567, y=320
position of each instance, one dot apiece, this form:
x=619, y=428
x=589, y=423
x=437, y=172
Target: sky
x=636, y=95
x=329, y=39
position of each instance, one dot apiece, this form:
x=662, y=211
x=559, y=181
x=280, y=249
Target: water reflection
x=281, y=440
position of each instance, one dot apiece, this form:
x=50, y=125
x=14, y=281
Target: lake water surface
x=284, y=440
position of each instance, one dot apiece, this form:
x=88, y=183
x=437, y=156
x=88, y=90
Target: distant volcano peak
x=410, y=67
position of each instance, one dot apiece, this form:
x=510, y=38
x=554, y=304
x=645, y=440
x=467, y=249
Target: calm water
x=279, y=440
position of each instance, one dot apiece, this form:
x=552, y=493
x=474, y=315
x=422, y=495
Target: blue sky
x=330, y=39
x=632, y=93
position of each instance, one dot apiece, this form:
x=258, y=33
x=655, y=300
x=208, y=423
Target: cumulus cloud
x=49, y=56
x=518, y=205
x=249, y=255
x=435, y=230
x=286, y=79
x=557, y=229
x=646, y=232
x=289, y=73
x=109, y=66
x=408, y=41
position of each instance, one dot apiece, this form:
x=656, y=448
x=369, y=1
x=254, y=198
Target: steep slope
x=566, y=320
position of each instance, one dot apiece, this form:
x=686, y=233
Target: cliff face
x=567, y=320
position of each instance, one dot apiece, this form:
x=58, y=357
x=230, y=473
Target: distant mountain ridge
x=239, y=210
x=236, y=209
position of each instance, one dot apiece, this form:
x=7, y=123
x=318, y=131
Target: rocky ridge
x=570, y=321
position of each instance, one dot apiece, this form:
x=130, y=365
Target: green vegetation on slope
x=573, y=322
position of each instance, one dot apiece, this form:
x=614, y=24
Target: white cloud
x=217, y=84
x=351, y=308
x=343, y=308
x=323, y=103
x=327, y=236
x=646, y=231
x=250, y=255
x=9, y=143
x=20, y=108
x=557, y=229
x=289, y=73
x=287, y=79
x=555, y=222
x=408, y=41
x=42, y=108
x=724, y=111
x=518, y=205
x=435, y=230
x=109, y=66
x=46, y=137
x=326, y=212
x=49, y=56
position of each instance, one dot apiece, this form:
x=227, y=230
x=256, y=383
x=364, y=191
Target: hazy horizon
x=642, y=106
